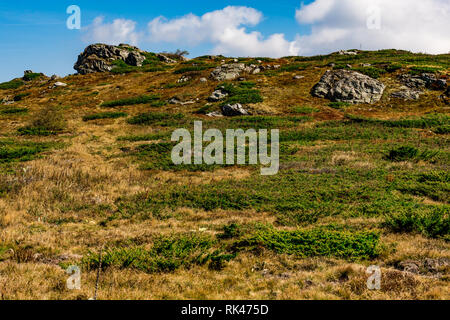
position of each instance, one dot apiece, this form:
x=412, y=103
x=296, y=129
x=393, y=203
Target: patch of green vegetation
x=131, y=101
x=370, y=71
x=208, y=108
x=194, y=68
x=442, y=129
x=429, y=121
x=151, y=64
x=305, y=109
x=153, y=118
x=31, y=76
x=393, y=67
x=434, y=185
x=158, y=104
x=231, y=231
x=242, y=93
x=13, y=110
x=433, y=223
x=13, y=84
x=166, y=255
x=146, y=137
x=405, y=153
x=46, y=122
x=18, y=151
x=294, y=67
x=315, y=242
x=20, y=96
x=419, y=70
x=105, y=115
x=339, y=105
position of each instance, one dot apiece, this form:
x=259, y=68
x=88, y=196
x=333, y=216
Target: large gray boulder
x=99, y=57
x=234, y=110
x=422, y=81
x=348, y=86
x=230, y=71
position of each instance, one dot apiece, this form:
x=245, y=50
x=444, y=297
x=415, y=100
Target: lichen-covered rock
x=99, y=57
x=234, y=110
x=230, y=71
x=218, y=95
x=348, y=86
x=407, y=94
x=422, y=81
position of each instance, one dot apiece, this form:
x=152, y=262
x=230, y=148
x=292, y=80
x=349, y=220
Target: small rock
x=54, y=77
x=218, y=95
x=214, y=114
x=184, y=79
x=58, y=85
x=203, y=80
x=297, y=77
x=233, y=110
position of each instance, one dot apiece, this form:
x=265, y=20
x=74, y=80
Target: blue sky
x=33, y=34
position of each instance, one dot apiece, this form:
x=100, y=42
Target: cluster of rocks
x=348, y=53
x=413, y=85
x=184, y=79
x=218, y=95
x=348, y=86
x=422, y=81
x=233, y=71
x=426, y=266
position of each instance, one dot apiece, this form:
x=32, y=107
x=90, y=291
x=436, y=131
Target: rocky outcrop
x=348, y=86
x=230, y=71
x=422, y=81
x=99, y=57
x=234, y=110
x=446, y=96
x=407, y=94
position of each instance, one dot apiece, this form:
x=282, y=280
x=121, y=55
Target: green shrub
x=433, y=224
x=420, y=70
x=31, y=76
x=421, y=123
x=315, y=242
x=305, y=109
x=393, y=67
x=145, y=137
x=20, y=96
x=231, y=231
x=13, y=84
x=154, y=118
x=370, y=71
x=48, y=121
x=21, y=151
x=193, y=68
x=166, y=255
x=131, y=101
x=405, y=153
x=442, y=130
x=13, y=110
x=241, y=93
x=105, y=115
x=339, y=105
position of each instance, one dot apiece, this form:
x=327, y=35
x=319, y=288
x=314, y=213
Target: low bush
x=315, y=242
x=105, y=115
x=154, y=118
x=131, y=101
x=13, y=84
x=433, y=223
x=48, y=121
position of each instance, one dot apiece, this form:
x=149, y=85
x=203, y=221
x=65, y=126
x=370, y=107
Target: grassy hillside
x=86, y=169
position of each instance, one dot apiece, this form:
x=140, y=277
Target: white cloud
x=119, y=31
x=225, y=29
x=416, y=25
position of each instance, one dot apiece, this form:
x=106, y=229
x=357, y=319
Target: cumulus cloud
x=415, y=25
x=119, y=31
x=225, y=29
